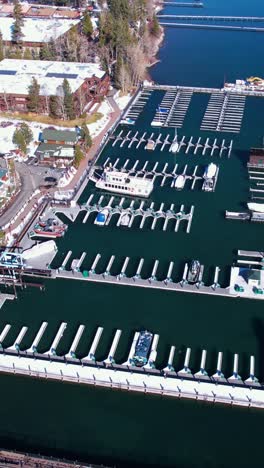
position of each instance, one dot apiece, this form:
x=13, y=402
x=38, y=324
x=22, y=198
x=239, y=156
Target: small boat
x=194, y=272
x=50, y=229
x=210, y=171
x=175, y=144
x=142, y=349
x=179, y=182
x=101, y=217
x=125, y=219
x=258, y=207
x=128, y=121
x=150, y=145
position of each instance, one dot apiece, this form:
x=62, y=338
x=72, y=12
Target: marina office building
x=88, y=83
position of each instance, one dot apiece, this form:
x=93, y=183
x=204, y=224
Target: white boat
x=101, y=217
x=179, y=182
x=210, y=171
x=121, y=182
x=150, y=145
x=258, y=207
x=175, y=144
x=125, y=219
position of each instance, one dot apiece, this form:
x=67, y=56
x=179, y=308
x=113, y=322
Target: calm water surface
x=120, y=428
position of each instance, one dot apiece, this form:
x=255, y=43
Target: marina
x=129, y=376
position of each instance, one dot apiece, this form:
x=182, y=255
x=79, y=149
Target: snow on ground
x=96, y=127
x=122, y=101
x=6, y=135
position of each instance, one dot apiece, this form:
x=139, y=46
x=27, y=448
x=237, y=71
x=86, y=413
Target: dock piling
x=169, y=367
x=71, y=353
x=34, y=347
x=91, y=354
x=59, y=335
x=110, y=357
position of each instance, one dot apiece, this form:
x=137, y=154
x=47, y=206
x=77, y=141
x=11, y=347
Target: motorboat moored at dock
x=175, y=144
x=50, y=229
x=125, y=219
x=151, y=144
x=194, y=272
x=210, y=177
x=101, y=217
x=180, y=182
x=258, y=207
x=142, y=349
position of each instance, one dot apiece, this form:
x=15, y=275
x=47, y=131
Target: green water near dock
x=124, y=429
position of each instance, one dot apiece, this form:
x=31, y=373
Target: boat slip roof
x=16, y=75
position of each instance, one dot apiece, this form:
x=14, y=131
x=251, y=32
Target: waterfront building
x=88, y=83
x=256, y=158
x=57, y=147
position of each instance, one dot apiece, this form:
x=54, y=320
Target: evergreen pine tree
x=1, y=47
x=18, y=23
x=87, y=140
x=54, y=107
x=78, y=156
x=26, y=132
x=33, y=96
x=19, y=140
x=68, y=100
x=87, y=26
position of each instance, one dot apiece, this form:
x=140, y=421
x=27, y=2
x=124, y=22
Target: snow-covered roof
x=16, y=75
x=37, y=29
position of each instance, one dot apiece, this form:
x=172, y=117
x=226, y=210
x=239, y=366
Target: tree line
x=127, y=33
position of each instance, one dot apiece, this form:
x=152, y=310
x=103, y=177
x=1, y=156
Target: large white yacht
x=121, y=182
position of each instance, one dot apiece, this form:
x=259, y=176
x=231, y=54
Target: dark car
x=51, y=180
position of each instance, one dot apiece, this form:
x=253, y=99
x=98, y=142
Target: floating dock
x=148, y=379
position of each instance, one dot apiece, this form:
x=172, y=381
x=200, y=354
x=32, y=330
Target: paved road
x=31, y=177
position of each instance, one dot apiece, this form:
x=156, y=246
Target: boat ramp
x=181, y=383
